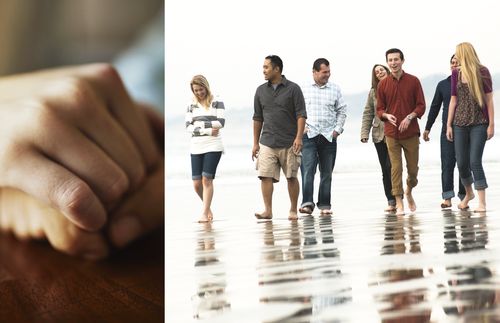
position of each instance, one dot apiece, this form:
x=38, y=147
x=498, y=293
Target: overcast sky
x=227, y=41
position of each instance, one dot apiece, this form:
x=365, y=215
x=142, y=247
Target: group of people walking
x=298, y=126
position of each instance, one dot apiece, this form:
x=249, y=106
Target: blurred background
x=49, y=33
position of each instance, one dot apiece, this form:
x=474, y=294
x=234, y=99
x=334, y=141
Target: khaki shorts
x=271, y=160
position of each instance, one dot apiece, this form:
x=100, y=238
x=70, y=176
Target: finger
x=109, y=84
x=45, y=222
x=86, y=160
x=141, y=213
x=56, y=186
x=84, y=109
x=70, y=239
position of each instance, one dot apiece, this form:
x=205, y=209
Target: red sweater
x=400, y=98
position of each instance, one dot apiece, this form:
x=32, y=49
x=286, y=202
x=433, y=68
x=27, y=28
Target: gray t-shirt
x=279, y=110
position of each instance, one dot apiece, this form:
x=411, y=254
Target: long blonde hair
x=470, y=69
x=202, y=81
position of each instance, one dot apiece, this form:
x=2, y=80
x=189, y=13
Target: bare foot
x=326, y=212
x=400, y=207
x=204, y=218
x=264, y=216
x=292, y=215
x=480, y=209
x=464, y=204
x=210, y=215
x=411, y=202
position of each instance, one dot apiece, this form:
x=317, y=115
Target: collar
x=284, y=81
x=327, y=85
x=402, y=75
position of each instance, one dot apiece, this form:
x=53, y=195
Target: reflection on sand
x=210, y=297
x=300, y=264
x=359, y=265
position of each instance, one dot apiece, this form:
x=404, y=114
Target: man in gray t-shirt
x=278, y=126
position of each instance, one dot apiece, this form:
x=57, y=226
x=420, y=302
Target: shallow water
x=359, y=265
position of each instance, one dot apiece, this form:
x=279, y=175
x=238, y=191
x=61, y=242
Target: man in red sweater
x=400, y=100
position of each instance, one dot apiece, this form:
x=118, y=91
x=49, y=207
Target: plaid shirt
x=326, y=109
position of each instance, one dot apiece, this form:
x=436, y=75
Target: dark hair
x=275, y=61
x=375, y=80
x=394, y=50
x=452, y=56
x=317, y=63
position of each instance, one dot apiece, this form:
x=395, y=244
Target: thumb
x=142, y=212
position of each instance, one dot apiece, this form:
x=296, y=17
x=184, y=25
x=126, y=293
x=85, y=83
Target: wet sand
x=359, y=265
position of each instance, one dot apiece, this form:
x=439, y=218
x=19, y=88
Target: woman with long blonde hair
x=471, y=121
x=204, y=119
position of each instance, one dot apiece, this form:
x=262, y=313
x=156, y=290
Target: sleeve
x=341, y=111
x=381, y=101
x=220, y=111
x=487, y=83
x=190, y=127
x=437, y=101
x=299, y=102
x=257, y=107
x=419, y=99
x=454, y=81
x=195, y=128
x=368, y=115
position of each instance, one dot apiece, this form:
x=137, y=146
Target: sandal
x=390, y=208
x=445, y=205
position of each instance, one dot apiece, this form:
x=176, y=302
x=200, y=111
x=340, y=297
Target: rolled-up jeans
x=469, y=147
x=448, y=162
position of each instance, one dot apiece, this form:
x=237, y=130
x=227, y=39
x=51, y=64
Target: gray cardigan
x=370, y=120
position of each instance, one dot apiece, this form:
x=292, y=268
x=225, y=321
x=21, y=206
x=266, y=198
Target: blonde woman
x=471, y=121
x=204, y=119
x=371, y=121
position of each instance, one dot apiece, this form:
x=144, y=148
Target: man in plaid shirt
x=326, y=111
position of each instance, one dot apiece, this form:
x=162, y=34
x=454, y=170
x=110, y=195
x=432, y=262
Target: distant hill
x=356, y=102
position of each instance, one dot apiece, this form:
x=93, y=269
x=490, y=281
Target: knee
x=197, y=184
x=207, y=181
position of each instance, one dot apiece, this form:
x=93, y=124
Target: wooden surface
x=39, y=284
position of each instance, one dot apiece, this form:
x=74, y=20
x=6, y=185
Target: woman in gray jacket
x=371, y=121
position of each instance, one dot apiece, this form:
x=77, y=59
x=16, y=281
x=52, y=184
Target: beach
x=359, y=265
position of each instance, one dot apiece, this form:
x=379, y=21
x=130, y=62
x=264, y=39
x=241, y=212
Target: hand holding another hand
x=74, y=142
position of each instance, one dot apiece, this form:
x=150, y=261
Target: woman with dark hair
x=371, y=121
x=442, y=97
x=204, y=119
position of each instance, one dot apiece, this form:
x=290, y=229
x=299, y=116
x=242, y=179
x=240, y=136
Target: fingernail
x=124, y=230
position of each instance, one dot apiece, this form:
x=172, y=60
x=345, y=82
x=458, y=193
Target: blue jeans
x=205, y=164
x=448, y=162
x=469, y=147
x=317, y=150
x=385, y=165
